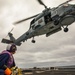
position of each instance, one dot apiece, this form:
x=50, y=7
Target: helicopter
x=49, y=21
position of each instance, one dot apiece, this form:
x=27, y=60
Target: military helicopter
x=49, y=21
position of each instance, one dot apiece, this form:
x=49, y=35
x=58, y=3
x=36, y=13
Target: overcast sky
x=55, y=50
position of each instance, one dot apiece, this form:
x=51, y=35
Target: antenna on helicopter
x=42, y=3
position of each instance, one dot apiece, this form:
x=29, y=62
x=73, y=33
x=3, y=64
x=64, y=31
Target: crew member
x=7, y=59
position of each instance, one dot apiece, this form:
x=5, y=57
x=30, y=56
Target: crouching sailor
x=7, y=59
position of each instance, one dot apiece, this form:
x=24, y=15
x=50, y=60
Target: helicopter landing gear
x=33, y=41
x=66, y=29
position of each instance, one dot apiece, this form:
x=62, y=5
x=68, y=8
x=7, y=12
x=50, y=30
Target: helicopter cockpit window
x=32, y=22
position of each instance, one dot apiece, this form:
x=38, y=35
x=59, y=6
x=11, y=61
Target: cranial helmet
x=11, y=48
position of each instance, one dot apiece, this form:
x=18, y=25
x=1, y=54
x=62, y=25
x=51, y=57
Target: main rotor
x=41, y=3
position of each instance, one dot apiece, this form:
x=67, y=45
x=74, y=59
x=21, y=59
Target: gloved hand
x=14, y=68
x=7, y=71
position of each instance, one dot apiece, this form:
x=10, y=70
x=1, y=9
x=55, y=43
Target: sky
x=55, y=50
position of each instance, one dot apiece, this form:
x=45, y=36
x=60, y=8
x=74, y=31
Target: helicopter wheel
x=66, y=29
x=56, y=22
x=33, y=41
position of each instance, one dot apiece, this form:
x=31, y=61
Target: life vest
x=10, y=60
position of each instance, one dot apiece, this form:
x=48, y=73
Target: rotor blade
x=11, y=29
x=69, y=1
x=25, y=19
x=42, y=3
x=66, y=2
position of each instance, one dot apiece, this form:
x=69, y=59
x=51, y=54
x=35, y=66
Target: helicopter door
x=47, y=18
